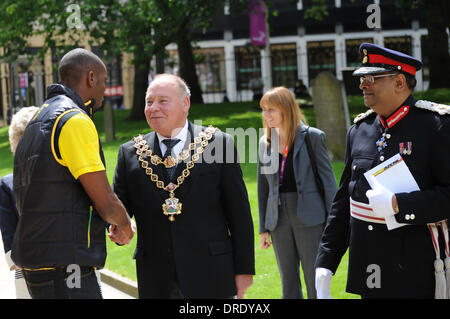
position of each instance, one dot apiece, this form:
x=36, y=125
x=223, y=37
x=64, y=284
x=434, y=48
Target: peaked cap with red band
x=381, y=60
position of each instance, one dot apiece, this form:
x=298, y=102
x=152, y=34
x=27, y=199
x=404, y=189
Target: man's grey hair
x=18, y=124
x=184, y=88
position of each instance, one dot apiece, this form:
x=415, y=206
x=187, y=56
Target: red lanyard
x=283, y=162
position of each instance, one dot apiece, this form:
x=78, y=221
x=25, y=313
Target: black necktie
x=170, y=143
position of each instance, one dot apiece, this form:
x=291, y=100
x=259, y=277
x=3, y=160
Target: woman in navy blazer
x=292, y=211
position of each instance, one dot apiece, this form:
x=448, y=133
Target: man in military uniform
x=396, y=263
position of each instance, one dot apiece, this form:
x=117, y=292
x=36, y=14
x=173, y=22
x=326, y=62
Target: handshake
x=122, y=235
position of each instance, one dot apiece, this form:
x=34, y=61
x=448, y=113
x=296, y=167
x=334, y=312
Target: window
x=425, y=46
x=354, y=58
x=248, y=65
x=284, y=64
x=321, y=57
x=402, y=44
x=114, y=87
x=210, y=65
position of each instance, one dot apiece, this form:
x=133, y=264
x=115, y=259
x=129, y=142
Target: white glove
x=9, y=261
x=323, y=283
x=380, y=199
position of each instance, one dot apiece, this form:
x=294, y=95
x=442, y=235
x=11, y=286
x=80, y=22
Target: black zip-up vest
x=58, y=224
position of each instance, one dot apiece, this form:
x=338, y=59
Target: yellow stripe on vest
x=52, y=143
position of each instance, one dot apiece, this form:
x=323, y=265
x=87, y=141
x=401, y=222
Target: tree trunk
x=187, y=65
x=141, y=71
x=159, y=63
x=437, y=42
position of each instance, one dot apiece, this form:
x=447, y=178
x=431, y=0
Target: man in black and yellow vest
x=63, y=196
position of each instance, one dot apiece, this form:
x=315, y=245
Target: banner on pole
x=258, y=34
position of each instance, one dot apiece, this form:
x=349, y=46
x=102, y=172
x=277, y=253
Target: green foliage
x=436, y=95
x=139, y=27
x=6, y=158
x=20, y=20
x=317, y=11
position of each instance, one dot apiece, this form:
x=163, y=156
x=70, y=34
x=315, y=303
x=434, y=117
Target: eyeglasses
x=370, y=79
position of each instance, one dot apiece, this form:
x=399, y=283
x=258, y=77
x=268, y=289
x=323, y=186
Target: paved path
x=8, y=290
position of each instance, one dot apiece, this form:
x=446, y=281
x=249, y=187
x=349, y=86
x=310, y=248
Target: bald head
x=75, y=65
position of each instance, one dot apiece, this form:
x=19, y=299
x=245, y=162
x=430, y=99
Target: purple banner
x=257, y=22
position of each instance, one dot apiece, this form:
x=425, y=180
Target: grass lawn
x=226, y=115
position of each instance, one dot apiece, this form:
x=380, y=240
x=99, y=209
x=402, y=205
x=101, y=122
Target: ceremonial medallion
x=172, y=207
x=382, y=142
x=170, y=162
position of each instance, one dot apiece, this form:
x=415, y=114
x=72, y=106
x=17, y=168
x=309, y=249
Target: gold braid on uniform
x=362, y=116
x=442, y=109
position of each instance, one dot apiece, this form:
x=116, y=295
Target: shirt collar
x=182, y=135
x=398, y=114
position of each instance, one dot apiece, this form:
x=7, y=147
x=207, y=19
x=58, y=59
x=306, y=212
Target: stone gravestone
x=331, y=112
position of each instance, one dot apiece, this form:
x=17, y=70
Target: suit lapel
x=189, y=138
x=183, y=190
x=153, y=144
x=298, y=144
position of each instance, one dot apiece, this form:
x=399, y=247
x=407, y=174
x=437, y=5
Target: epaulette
x=362, y=116
x=442, y=109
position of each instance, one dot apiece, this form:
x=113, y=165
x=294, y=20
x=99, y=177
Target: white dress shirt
x=176, y=150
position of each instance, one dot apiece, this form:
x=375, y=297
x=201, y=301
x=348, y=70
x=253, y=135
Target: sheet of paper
x=395, y=176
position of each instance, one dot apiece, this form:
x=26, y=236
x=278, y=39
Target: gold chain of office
x=172, y=205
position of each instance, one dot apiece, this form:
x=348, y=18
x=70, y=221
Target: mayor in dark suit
x=195, y=231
